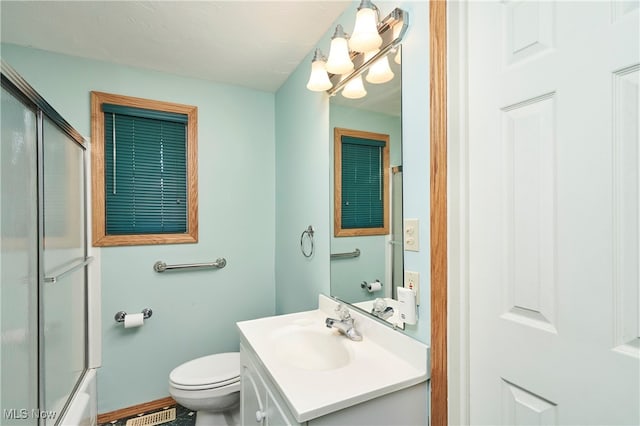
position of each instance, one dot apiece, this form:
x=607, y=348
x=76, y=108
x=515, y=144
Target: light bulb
x=339, y=61
x=379, y=71
x=365, y=35
x=398, y=57
x=397, y=28
x=318, y=80
x=354, y=89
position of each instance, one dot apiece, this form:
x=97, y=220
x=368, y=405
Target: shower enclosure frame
x=13, y=83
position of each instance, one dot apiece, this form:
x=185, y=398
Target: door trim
x=458, y=250
x=438, y=200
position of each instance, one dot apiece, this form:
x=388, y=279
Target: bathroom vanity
x=295, y=370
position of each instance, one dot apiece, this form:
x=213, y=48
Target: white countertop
x=383, y=362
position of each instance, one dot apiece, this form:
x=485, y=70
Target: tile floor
x=184, y=417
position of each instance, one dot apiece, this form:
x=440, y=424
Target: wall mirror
x=358, y=260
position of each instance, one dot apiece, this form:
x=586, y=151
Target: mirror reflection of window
x=361, y=183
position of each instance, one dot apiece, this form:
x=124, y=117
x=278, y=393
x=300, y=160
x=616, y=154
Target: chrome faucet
x=345, y=324
x=381, y=310
x=384, y=314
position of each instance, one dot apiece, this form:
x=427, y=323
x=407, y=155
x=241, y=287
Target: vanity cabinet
x=296, y=371
x=259, y=403
x=262, y=404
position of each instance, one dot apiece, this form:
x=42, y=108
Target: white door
x=554, y=194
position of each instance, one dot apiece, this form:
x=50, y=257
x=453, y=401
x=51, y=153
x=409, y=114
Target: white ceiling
x=254, y=44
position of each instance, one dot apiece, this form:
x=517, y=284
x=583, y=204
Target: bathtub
x=83, y=409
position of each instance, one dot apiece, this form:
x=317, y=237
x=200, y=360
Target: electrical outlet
x=412, y=282
x=411, y=235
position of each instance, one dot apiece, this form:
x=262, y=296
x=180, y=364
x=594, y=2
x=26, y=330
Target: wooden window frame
x=100, y=237
x=338, y=231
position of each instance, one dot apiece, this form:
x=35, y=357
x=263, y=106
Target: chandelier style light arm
x=385, y=29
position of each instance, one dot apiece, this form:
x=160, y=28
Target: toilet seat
x=208, y=386
x=207, y=372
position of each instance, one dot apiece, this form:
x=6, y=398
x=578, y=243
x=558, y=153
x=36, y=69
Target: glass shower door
x=18, y=262
x=63, y=304
x=43, y=257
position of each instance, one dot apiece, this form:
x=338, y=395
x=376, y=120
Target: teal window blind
x=145, y=171
x=362, y=183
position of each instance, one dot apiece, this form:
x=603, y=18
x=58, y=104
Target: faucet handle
x=379, y=305
x=343, y=312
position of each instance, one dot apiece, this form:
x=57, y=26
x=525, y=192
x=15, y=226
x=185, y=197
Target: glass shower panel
x=18, y=262
x=64, y=247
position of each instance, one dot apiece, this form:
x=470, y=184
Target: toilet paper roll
x=133, y=320
x=374, y=286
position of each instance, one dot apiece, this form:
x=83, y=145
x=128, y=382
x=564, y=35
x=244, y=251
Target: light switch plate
x=412, y=281
x=411, y=235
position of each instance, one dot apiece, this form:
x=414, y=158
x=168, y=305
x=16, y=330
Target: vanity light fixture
x=380, y=71
x=339, y=61
x=398, y=57
x=365, y=37
x=390, y=31
x=354, y=89
x=319, y=79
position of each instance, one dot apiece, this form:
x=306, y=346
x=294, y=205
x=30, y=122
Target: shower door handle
x=82, y=263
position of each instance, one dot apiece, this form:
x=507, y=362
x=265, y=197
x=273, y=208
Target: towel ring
x=309, y=233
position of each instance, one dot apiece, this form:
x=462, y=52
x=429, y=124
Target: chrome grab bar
x=355, y=253
x=160, y=266
x=56, y=278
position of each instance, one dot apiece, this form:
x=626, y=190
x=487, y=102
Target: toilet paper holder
x=119, y=316
x=367, y=285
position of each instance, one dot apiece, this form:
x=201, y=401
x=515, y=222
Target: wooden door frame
x=438, y=202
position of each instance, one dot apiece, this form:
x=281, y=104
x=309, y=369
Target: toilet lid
x=220, y=369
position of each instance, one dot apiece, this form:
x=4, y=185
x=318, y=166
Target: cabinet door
x=275, y=415
x=251, y=399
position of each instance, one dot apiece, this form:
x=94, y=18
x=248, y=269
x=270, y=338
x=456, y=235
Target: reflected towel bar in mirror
x=355, y=253
x=160, y=266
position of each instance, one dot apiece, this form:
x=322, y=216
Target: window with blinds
x=361, y=187
x=145, y=189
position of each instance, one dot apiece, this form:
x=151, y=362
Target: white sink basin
x=318, y=370
x=308, y=347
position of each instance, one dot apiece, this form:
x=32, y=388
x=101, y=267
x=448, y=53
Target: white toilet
x=209, y=385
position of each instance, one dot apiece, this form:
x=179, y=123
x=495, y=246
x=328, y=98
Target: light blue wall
x=346, y=275
x=302, y=191
x=194, y=313
x=303, y=138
